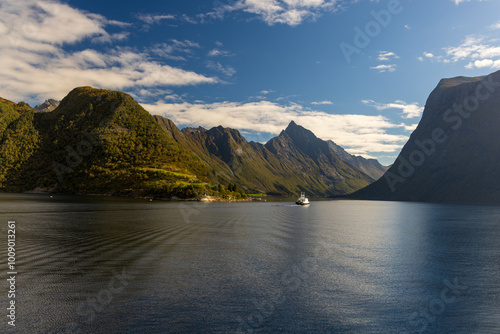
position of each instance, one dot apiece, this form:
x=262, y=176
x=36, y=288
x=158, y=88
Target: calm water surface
x=107, y=265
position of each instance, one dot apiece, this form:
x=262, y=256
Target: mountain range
x=453, y=155
x=296, y=160
x=103, y=142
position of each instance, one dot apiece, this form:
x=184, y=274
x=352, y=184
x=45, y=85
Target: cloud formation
x=359, y=134
x=409, y=110
x=175, y=50
x=384, y=68
x=290, y=12
x=322, y=103
x=219, y=53
x=217, y=66
x=458, y=2
x=153, y=19
x=386, y=56
x=36, y=64
x=477, y=51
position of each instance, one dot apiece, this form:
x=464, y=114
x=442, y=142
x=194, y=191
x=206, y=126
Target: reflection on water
x=107, y=265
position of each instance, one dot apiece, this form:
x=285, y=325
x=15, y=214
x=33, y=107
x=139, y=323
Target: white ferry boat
x=302, y=199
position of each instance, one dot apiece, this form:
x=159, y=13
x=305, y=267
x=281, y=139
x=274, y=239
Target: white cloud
x=219, y=53
x=411, y=127
x=359, y=134
x=410, y=110
x=291, y=12
x=386, y=56
x=265, y=92
x=478, y=51
x=458, y=2
x=152, y=19
x=484, y=63
x=175, y=50
x=217, y=66
x=495, y=26
x=173, y=97
x=474, y=47
x=384, y=68
x=322, y=103
x=43, y=22
x=36, y=64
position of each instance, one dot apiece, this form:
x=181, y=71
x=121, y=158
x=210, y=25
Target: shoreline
x=148, y=198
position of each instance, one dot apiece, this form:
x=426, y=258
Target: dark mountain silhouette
x=371, y=167
x=453, y=155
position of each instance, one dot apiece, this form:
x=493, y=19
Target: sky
x=357, y=72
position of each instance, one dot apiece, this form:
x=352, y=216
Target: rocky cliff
x=454, y=154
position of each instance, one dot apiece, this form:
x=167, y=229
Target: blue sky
x=255, y=65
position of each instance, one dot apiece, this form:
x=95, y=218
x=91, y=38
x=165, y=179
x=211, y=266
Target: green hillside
x=284, y=166
x=96, y=142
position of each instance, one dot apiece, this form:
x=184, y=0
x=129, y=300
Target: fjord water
x=108, y=265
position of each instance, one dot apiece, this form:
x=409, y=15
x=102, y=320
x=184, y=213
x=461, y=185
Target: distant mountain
x=370, y=167
x=294, y=161
x=454, y=154
x=95, y=142
x=302, y=152
x=47, y=106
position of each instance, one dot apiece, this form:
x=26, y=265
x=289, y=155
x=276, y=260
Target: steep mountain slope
x=233, y=159
x=18, y=137
x=294, y=161
x=370, y=167
x=96, y=142
x=10, y=111
x=453, y=155
x=302, y=152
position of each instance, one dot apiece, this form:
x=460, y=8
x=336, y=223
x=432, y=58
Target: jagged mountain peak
x=296, y=160
x=228, y=133
x=47, y=106
x=192, y=130
x=292, y=124
x=295, y=129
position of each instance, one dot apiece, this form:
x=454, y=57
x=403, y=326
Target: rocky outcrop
x=48, y=106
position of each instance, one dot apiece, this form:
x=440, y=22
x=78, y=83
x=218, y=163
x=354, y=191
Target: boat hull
x=303, y=200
